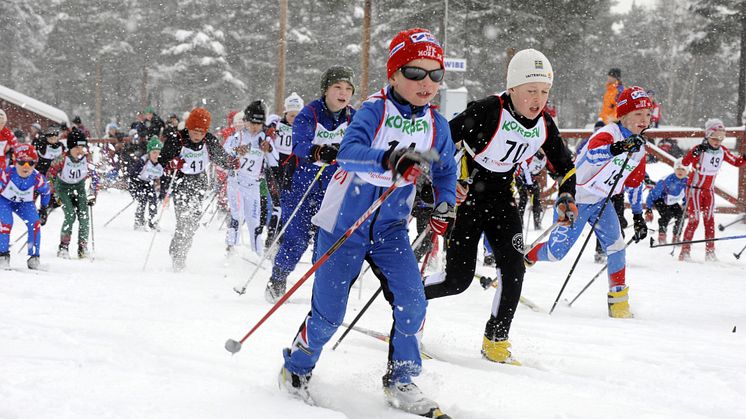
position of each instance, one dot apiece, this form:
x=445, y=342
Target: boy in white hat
x=499, y=133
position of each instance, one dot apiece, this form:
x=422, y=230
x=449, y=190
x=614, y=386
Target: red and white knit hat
x=632, y=99
x=712, y=126
x=410, y=45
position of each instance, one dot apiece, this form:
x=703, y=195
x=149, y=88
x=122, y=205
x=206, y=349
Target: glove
x=442, y=218
x=91, y=201
x=567, y=211
x=462, y=190
x=405, y=162
x=649, y=215
x=175, y=165
x=325, y=153
x=641, y=229
x=699, y=149
x=631, y=144
x=266, y=147
x=43, y=215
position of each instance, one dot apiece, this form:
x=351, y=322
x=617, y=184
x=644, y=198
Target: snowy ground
x=104, y=339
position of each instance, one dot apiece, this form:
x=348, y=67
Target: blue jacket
x=304, y=131
x=356, y=155
x=35, y=180
x=668, y=186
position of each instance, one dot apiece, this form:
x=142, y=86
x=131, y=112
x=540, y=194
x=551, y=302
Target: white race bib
x=600, y=184
x=15, y=194
x=511, y=144
x=284, y=139
x=150, y=171
x=73, y=172
x=195, y=161
x=325, y=137
x=397, y=132
x=674, y=199
x=711, y=160
x=51, y=153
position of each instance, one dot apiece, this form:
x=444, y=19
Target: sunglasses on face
x=28, y=163
x=417, y=74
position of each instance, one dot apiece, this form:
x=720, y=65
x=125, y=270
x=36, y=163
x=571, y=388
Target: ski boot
x=599, y=258
x=5, y=260
x=619, y=303
x=62, y=252
x=489, y=260
x=409, y=398
x=710, y=256
x=33, y=263
x=274, y=291
x=153, y=226
x=661, y=237
x=498, y=351
x=684, y=256
x=296, y=385
x=83, y=252
x=140, y=227
x=230, y=251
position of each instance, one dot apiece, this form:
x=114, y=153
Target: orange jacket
x=608, y=109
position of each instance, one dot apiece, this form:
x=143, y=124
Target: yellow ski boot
x=619, y=304
x=498, y=351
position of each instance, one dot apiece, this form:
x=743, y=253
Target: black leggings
x=495, y=215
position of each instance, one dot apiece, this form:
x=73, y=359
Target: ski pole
x=738, y=255
x=596, y=276
x=207, y=207
x=738, y=220
x=158, y=221
x=415, y=244
x=93, y=237
x=276, y=240
x=617, y=177
x=118, y=213
x=715, y=239
x=234, y=346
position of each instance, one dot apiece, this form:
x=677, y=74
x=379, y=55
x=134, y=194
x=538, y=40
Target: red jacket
x=707, y=165
x=7, y=143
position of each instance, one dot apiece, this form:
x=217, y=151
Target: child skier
x=499, y=133
x=370, y=162
x=189, y=152
x=284, y=139
x=317, y=131
x=249, y=147
x=68, y=174
x=706, y=160
x=667, y=197
x=49, y=147
x=18, y=185
x=598, y=170
x=143, y=175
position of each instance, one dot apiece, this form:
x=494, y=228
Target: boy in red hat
x=188, y=153
x=598, y=166
x=18, y=185
x=391, y=137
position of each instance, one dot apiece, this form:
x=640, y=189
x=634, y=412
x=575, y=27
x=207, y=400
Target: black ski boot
x=274, y=291
x=33, y=262
x=5, y=260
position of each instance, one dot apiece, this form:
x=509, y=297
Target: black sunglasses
x=417, y=74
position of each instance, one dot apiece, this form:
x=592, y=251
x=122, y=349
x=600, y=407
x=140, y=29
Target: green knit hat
x=149, y=109
x=154, y=144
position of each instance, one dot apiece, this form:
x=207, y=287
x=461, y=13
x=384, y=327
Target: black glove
x=699, y=149
x=325, y=153
x=405, y=162
x=631, y=144
x=43, y=215
x=442, y=218
x=91, y=201
x=641, y=228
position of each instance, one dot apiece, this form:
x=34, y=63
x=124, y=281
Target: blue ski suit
x=314, y=124
x=382, y=240
x=17, y=195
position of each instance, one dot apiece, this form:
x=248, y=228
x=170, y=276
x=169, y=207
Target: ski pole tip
x=239, y=291
x=652, y=242
x=232, y=346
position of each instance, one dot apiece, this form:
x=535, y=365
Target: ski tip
x=232, y=346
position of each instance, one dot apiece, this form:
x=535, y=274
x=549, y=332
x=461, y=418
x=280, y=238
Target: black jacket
x=477, y=124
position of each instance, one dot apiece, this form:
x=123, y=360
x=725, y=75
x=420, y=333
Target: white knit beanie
x=528, y=66
x=712, y=126
x=679, y=164
x=293, y=103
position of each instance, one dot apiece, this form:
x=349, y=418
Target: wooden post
x=281, y=49
x=97, y=120
x=365, y=51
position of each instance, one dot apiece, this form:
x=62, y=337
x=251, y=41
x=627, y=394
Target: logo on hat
x=539, y=65
x=636, y=94
x=423, y=37
x=396, y=49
